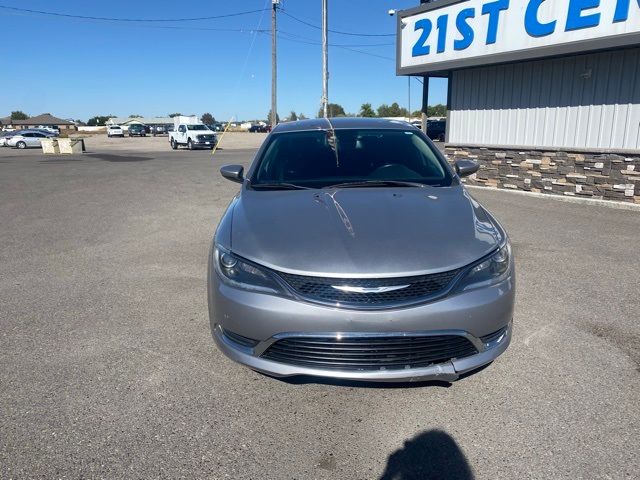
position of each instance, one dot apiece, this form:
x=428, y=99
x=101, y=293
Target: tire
x=174, y=145
x=21, y=145
x=441, y=137
x=189, y=144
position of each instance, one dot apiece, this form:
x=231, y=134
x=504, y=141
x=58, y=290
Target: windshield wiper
x=377, y=183
x=278, y=186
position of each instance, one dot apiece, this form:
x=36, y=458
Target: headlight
x=492, y=270
x=239, y=273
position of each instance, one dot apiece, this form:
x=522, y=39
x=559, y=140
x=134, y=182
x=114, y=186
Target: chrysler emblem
x=347, y=288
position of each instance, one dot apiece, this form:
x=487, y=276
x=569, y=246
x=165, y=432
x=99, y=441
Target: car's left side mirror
x=233, y=173
x=464, y=168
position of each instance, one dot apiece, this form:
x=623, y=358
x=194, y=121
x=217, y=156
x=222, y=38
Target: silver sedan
x=353, y=251
x=27, y=139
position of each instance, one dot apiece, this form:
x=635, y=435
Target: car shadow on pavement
x=431, y=454
x=110, y=157
x=307, y=380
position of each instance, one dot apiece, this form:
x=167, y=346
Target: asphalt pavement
x=108, y=369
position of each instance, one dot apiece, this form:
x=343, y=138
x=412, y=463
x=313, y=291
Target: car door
x=36, y=139
x=182, y=134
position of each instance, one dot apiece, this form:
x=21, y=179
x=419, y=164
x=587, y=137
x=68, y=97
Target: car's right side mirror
x=233, y=173
x=464, y=168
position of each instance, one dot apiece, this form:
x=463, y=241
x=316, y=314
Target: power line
x=112, y=19
x=296, y=36
x=304, y=22
x=305, y=42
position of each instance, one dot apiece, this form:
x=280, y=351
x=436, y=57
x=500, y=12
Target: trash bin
x=50, y=146
x=70, y=146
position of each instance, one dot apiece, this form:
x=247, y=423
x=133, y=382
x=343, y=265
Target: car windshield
x=358, y=158
x=197, y=127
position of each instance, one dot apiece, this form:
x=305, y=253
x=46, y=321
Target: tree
x=334, y=110
x=19, y=115
x=437, y=111
x=171, y=115
x=302, y=116
x=207, y=119
x=394, y=110
x=80, y=123
x=135, y=115
x=366, y=110
x=98, y=120
x=269, y=118
x=293, y=116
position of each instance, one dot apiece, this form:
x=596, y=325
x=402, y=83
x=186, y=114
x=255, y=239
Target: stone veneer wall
x=607, y=176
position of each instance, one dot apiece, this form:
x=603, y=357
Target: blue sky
x=81, y=68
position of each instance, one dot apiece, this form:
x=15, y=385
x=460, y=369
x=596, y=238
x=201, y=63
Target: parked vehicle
x=158, y=130
x=192, y=136
x=138, y=130
x=26, y=139
x=115, y=131
x=436, y=129
x=49, y=129
x=354, y=251
x=258, y=128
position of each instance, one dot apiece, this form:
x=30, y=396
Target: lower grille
x=369, y=353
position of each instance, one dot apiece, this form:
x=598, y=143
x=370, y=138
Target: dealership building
x=544, y=94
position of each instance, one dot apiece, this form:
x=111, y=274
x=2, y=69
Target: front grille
x=206, y=138
x=419, y=288
x=369, y=353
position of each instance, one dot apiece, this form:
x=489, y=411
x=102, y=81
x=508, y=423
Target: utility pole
x=409, y=90
x=325, y=59
x=425, y=91
x=274, y=65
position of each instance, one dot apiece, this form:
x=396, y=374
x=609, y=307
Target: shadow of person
x=430, y=455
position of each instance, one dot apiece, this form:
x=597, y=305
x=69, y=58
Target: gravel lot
x=108, y=369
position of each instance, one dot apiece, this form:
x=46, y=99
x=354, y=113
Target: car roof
x=341, y=123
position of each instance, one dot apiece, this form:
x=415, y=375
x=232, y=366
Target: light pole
x=325, y=59
x=392, y=13
x=274, y=64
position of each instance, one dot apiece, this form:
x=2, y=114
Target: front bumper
x=447, y=371
x=266, y=319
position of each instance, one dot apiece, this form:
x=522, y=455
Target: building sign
x=450, y=34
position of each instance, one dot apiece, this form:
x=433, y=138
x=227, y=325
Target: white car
x=48, y=129
x=27, y=139
x=115, y=131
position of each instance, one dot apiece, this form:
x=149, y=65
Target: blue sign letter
x=493, y=9
x=532, y=25
x=465, y=30
x=622, y=11
x=420, y=48
x=575, y=20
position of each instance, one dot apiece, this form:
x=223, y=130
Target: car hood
x=363, y=232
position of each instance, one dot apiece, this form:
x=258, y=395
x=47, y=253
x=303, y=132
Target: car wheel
x=189, y=144
x=21, y=145
x=441, y=137
x=174, y=145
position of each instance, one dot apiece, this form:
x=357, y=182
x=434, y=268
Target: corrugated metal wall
x=584, y=101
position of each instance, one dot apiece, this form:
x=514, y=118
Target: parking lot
x=109, y=369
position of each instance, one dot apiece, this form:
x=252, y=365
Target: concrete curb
x=584, y=201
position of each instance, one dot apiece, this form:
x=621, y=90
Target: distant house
x=45, y=119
